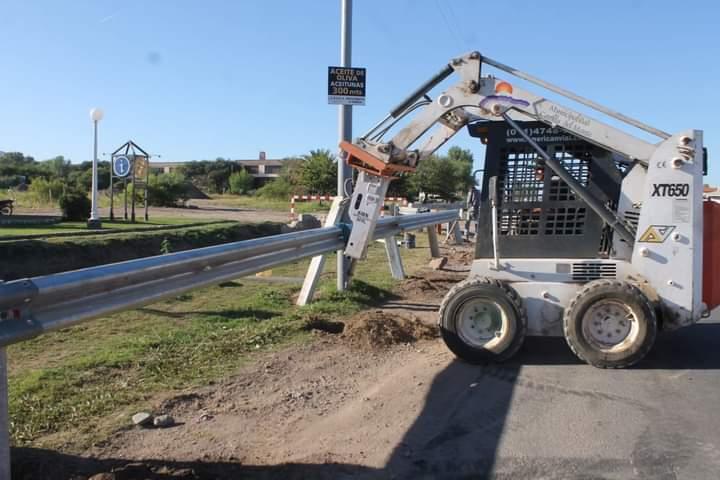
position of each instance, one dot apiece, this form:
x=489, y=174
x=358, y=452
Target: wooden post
x=391, y=249
x=318, y=262
x=433, y=240
x=393, y=253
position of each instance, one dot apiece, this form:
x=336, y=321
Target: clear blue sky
x=202, y=79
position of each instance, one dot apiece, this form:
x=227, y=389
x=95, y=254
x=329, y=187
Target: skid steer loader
x=585, y=231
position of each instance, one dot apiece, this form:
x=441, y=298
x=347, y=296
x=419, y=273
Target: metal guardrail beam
x=61, y=300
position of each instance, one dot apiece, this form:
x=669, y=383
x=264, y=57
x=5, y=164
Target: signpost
x=346, y=86
x=129, y=163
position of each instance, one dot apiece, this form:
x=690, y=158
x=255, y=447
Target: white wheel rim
x=483, y=323
x=610, y=326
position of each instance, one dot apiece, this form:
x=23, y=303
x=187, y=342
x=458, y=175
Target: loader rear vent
x=584, y=272
x=632, y=217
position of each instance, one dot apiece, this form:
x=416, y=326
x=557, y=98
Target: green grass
x=261, y=203
x=28, y=200
x=74, y=387
x=77, y=227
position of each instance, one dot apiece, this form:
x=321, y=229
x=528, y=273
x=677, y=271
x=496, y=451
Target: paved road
x=546, y=416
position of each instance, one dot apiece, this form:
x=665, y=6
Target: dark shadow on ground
x=370, y=295
x=457, y=434
x=691, y=348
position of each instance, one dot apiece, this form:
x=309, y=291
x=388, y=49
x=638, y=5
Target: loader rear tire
x=610, y=324
x=483, y=320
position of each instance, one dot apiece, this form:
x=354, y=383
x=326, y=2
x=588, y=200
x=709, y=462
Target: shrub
x=75, y=205
x=46, y=191
x=278, y=188
x=167, y=190
x=241, y=182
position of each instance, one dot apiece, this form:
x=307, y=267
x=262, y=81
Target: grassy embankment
x=71, y=388
x=260, y=203
x=29, y=258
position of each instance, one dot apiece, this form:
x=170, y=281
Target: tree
x=241, y=182
x=292, y=171
x=435, y=176
x=82, y=179
x=57, y=167
x=218, y=180
x=319, y=172
x=15, y=163
x=448, y=177
x=209, y=175
x=462, y=161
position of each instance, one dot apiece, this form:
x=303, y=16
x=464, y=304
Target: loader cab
x=539, y=216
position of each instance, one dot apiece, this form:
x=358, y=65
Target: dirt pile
x=380, y=329
x=461, y=255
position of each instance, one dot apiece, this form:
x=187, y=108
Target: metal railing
x=33, y=306
x=52, y=302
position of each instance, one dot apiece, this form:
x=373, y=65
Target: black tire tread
x=588, y=289
x=512, y=297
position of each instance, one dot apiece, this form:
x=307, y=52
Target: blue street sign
x=121, y=166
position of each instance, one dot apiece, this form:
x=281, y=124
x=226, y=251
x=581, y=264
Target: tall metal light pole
x=344, y=126
x=94, y=222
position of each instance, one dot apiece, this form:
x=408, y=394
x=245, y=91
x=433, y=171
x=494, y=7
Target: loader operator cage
x=539, y=216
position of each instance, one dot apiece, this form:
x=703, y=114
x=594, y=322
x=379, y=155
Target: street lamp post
x=94, y=222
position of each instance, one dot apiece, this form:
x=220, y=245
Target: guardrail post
x=457, y=233
x=4, y=418
x=393, y=253
x=318, y=262
x=433, y=240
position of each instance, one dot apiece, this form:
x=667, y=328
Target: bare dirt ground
x=201, y=210
x=385, y=399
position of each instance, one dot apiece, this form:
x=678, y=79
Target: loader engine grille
x=632, y=217
x=587, y=271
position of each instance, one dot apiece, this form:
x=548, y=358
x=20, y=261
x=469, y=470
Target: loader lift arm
x=472, y=98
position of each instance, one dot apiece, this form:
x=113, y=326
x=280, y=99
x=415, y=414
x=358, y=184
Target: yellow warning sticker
x=656, y=233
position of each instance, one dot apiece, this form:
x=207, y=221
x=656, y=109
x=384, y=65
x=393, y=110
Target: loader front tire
x=483, y=320
x=610, y=324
